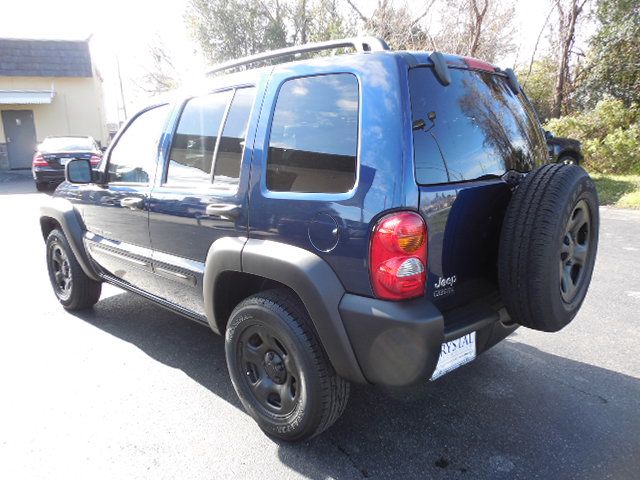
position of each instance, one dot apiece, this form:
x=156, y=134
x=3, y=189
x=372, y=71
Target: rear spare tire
x=548, y=246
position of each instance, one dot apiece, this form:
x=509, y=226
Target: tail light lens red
x=95, y=160
x=39, y=161
x=398, y=256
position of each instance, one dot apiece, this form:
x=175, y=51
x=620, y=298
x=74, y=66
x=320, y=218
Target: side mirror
x=78, y=170
x=548, y=135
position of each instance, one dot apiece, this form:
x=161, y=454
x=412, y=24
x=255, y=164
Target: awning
x=26, y=97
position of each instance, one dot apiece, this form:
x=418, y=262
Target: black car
x=54, y=153
x=378, y=218
x=563, y=150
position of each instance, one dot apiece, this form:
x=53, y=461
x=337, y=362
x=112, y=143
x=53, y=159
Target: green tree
x=233, y=28
x=539, y=84
x=614, y=55
x=228, y=29
x=610, y=135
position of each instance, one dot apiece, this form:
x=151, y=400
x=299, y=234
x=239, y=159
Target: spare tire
x=548, y=246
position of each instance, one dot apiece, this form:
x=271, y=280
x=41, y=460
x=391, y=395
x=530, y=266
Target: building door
x=20, y=134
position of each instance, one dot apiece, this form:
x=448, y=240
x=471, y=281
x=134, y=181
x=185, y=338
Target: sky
x=121, y=31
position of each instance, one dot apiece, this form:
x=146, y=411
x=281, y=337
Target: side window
x=226, y=173
x=133, y=159
x=314, y=135
x=195, y=139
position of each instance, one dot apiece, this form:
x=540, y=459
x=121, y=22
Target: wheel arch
x=570, y=152
x=236, y=268
x=60, y=213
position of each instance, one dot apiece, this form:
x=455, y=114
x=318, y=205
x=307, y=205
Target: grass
x=621, y=191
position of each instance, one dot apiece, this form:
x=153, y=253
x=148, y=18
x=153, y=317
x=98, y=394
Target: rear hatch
x=469, y=138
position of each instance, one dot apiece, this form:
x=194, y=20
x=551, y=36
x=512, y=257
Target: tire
x=73, y=288
x=548, y=246
x=42, y=186
x=279, y=370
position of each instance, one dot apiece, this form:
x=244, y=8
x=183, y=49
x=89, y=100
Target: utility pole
x=124, y=105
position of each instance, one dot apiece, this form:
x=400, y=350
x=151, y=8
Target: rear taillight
x=39, y=161
x=95, y=160
x=398, y=256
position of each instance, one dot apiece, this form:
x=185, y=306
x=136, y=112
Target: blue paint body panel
x=463, y=218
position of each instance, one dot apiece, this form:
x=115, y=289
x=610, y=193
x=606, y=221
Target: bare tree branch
x=424, y=14
x=358, y=12
x=535, y=48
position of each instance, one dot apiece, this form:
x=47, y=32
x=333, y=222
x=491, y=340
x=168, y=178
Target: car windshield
x=473, y=128
x=67, y=144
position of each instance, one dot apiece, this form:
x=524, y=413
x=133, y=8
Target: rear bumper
x=398, y=343
x=47, y=175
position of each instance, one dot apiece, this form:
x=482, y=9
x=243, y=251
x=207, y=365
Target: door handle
x=223, y=210
x=132, y=202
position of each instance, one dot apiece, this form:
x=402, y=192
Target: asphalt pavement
x=129, y=390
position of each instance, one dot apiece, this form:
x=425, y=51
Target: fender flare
x=317, y=285
x=64, y=214
x=224, y=255
x=309, y=276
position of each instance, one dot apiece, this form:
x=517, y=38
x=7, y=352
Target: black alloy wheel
x=73, y=288
x=272, y=375
x=574, y=251
x=60, y=268
x=279, y=368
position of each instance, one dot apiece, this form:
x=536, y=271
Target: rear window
x=68, y=144
x=473, y=128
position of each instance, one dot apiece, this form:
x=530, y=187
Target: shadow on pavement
x=516, y=412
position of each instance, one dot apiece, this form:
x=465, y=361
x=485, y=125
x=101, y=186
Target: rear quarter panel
x=385, y=180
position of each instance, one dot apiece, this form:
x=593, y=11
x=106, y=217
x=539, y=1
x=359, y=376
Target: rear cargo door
x=468, y=137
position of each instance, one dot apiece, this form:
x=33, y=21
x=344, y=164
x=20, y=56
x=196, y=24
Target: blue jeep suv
x=377, y=217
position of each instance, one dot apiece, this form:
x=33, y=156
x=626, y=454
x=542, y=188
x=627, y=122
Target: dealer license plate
x=455, y=353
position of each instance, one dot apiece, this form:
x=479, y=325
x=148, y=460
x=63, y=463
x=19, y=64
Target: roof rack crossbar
x=360, y=44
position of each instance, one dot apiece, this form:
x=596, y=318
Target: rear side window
x=474, y=127
x=134, y=157
x=226, y=173
x=314, y=135
x=194, y=141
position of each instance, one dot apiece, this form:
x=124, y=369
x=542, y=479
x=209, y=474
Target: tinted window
x=67, y=144
x=227, y=165
x=133, y=159
x=314, y=135
x=195, y=139
x=478, y=127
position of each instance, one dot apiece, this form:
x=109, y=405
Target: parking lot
x=130, y=390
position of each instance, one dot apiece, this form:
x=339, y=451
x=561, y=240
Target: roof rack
x=360, y=44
